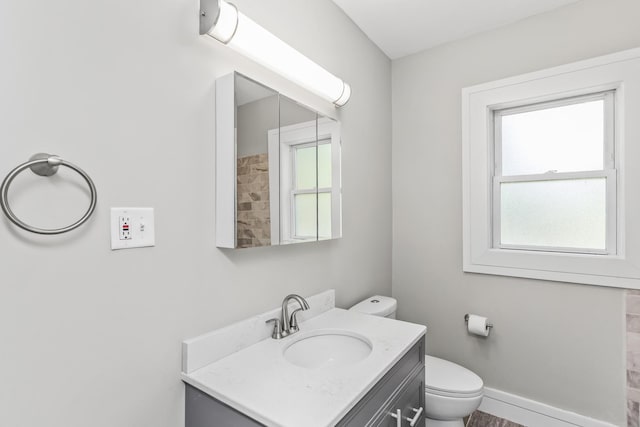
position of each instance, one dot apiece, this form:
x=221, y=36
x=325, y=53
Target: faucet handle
x=277, y=328
x=293, y=321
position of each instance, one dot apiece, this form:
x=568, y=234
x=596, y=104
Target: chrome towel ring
x=44, y=164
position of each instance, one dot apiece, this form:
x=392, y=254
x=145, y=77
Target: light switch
x=132, y=228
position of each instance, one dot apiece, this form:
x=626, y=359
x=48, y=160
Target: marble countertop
x=259, y=382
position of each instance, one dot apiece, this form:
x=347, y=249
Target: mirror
x=277, y=168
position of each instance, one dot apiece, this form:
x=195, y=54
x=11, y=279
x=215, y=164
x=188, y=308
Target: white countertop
x=259, y=382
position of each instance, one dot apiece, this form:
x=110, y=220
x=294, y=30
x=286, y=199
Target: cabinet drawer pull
x=414, y=420
x=398, y=417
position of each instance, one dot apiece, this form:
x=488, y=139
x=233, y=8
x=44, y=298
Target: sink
x=327, y=348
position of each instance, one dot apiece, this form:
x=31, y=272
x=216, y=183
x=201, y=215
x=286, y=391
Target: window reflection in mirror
x=309, y=175
x=295, y=140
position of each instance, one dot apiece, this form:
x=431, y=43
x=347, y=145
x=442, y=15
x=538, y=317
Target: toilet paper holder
x=466, y=320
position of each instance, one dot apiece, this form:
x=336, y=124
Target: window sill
x=555, y=276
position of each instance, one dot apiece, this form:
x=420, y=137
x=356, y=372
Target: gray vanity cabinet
x=401, y=389
x=202, y=410
x=400, y=392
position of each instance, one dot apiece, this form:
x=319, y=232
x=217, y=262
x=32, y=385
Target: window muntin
x=554, y=183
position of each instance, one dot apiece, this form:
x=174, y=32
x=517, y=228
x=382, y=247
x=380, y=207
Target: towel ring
x=44, y=164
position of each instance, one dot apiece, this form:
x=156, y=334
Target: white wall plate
x=132, y=228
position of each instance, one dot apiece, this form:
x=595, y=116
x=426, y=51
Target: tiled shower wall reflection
x=633, y=358
x=254, y=225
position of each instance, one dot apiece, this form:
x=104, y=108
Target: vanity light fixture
x=223, y=22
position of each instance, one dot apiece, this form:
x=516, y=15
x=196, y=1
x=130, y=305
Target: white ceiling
x=403, y=27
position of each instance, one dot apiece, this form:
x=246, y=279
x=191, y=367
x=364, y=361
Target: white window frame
x=281, y=175
x=608, y=171
x=619, y=72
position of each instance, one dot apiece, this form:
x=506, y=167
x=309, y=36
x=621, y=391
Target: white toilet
x=451, y=391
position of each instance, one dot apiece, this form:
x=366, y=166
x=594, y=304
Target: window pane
x=305, y=167
x=563, y=139
x=324, y=215
x=306, y=214
x=324, y=164
x=562, y=213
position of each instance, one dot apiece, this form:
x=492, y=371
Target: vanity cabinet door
x=408, y=405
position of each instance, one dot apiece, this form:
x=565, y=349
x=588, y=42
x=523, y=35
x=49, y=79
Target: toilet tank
x=377, y=305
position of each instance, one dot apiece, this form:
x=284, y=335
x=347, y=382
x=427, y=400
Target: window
x=551, y=162
x=304, y=176
x=554, y=185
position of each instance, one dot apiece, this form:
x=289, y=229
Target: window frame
x=608, y=172
x=620, y=72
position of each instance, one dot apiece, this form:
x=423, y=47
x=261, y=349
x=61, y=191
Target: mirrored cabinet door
x=297, y=139
x=256, y=115
x=277, y=168
x=329, y=179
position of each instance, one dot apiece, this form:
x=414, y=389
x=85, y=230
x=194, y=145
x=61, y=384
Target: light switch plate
x=132, y=228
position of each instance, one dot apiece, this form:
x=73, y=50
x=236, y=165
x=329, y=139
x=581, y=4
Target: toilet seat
x=444, y=378
x=442, y=393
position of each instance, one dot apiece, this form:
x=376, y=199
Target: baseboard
x=531, y=413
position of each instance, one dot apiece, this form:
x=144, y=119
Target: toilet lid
x=444, y=376
x=377, y=305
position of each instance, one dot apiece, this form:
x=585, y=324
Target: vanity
x=341, y=369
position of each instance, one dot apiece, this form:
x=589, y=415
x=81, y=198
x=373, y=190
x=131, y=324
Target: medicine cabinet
x=278, y=175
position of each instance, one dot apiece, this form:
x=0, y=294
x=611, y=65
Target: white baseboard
x=531, y=413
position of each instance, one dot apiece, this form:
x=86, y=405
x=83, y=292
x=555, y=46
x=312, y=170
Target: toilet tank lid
x=446, y=376
x=377, y=305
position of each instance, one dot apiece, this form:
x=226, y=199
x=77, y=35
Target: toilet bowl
x=451, y=391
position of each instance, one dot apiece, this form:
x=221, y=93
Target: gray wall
x=557, y=343
x=253, y=122
x=255, y=119
x=90, y=337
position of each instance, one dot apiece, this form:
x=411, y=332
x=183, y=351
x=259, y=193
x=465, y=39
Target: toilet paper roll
x=478, y=325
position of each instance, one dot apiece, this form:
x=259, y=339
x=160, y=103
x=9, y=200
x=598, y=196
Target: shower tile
x=244, y=206
x=633, y=323
x=633, y=394
x=633, y=414
x=633, y=379
x=633, y=304
x=633, y=361
x=633, y=342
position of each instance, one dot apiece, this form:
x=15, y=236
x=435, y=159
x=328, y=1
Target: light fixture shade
x=226, y=24
x=242, y=34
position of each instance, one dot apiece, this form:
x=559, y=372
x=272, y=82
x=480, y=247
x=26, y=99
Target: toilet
x=451, y=391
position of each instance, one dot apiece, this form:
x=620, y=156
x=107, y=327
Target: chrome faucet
x=288, y=324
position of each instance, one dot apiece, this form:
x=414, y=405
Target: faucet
x=288, y=324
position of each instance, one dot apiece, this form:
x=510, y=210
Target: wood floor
x=482, y=419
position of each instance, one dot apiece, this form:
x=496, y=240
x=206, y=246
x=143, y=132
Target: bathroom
x=126, y=90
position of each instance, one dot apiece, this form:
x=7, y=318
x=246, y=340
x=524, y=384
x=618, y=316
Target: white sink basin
x=326, y=348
